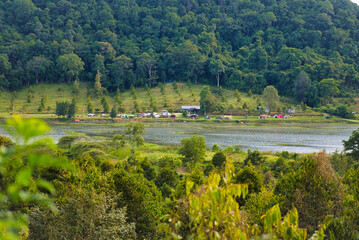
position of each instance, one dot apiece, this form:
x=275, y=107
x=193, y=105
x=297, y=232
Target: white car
x=155, y=115
x=90, y=115
x=165, y=113
x=103, y=115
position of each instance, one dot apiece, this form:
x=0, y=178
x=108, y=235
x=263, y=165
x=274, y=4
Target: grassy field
x=61, y=92
x=185, y=95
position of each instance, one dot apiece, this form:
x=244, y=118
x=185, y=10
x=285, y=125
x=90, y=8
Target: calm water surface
x=303, y=139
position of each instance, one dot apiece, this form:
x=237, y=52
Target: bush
x=142, y=200
x=166, y=190
x=208, y=169
x=255, y=157
x=83, y=214
x=193, y=149
x=313, y=189
x=218, y=159
x=258, y=204
x=148, y=170
x=66, y=141
x=196, y=176
x=81, y=148
x=341, y=111
x=166, y=176
x=279, y=166
x=5, y=142
x=250, y=176
x=169, y=161
x=215, y=148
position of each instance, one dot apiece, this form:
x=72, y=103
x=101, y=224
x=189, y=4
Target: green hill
x=238, y=44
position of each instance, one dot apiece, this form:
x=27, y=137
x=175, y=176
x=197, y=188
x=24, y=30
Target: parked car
x=224, y=117
x=173, y=117
x=165, y=113
x=90, y=115
x=103, y=115
x=155, y=115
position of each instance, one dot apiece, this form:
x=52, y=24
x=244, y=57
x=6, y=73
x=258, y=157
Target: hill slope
x=242, y=44
x=185, y=95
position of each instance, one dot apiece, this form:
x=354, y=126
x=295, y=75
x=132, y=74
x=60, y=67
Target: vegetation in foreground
x=124, y=188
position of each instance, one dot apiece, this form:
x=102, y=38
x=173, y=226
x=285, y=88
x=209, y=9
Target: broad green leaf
x=45, y=185
x=189, y=186
x=27, y=128
x=24, y=177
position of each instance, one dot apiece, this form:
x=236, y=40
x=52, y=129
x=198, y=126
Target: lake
x=292, y=138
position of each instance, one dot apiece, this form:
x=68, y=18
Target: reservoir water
x=294, y=138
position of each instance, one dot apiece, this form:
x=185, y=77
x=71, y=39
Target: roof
x=190, y=107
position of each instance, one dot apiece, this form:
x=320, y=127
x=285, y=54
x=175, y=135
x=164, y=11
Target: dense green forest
x=243, y=44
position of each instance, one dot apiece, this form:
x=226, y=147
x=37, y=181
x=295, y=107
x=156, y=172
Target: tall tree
x=70, y=65
x=37, y=65
x=76, y=87
x=148, y=64
x=105, y=104
x=89, y=105
x=72, y=107
x=352, y=145
x=208, y=102
x=5, y=67
x=216, y=67
x=270, y=97
x=113, y=113
x=23, y=10
x=119, y=71
x=258, y=59
x=97, y=85
x=302, y=86
x=329, y=87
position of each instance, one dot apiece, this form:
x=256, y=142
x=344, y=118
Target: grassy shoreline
x=252, y=121
x=174, y=100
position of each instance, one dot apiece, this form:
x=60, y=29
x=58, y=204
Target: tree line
x=242, y=44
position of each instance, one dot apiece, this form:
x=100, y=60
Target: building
x=291, y=110
x=191, y=109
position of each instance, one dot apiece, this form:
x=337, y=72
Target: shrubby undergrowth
x=67, y=191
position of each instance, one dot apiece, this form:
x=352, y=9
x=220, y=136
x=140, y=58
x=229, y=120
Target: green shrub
x=218, y=159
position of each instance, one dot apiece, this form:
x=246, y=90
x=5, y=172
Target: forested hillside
x=243, y=44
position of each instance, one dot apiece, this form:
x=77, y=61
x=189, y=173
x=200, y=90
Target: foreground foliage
x=20, y=183
x=124, y=188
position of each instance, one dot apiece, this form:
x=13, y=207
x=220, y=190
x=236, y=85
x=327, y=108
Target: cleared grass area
x=184, y=95
x=61, y=92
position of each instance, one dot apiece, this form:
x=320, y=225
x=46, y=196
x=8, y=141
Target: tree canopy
x=270, y=97
x=239, y=44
